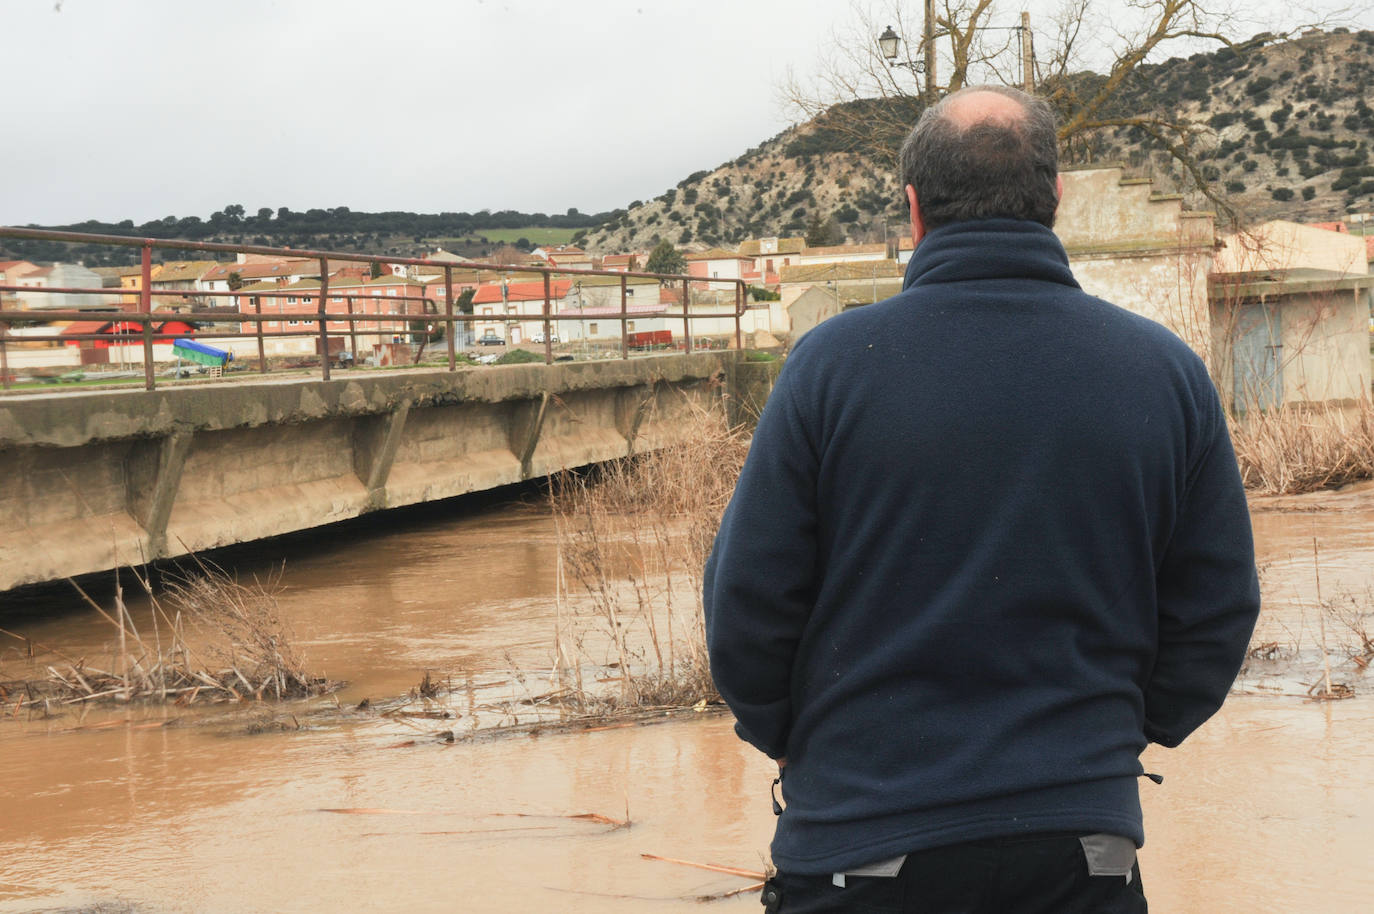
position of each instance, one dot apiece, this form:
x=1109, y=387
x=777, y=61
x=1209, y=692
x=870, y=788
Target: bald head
x=981, y=106
x=984, y=152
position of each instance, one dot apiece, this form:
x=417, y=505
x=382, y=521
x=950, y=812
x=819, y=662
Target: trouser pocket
x=1108, y=855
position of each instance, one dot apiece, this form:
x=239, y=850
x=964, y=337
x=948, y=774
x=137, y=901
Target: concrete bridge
x=95, y=480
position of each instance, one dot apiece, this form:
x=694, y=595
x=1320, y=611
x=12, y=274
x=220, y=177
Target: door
x=1258, y=357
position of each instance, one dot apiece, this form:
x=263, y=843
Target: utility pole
x=1027, y=55
x=928, y=45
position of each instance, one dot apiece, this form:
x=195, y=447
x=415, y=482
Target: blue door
x=1258, y=356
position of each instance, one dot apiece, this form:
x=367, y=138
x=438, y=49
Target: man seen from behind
x=989, y=542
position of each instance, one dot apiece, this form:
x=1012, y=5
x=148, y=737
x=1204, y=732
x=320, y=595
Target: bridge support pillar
x=153, y=477
x=375, y=442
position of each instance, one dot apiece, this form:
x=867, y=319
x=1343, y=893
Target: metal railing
x=145, y=317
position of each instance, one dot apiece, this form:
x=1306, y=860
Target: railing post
x=624, y=328
x=324, y=324
x=145, y=304
x=548, y=336
x=686, y=318
x=449, y=327
x=352, y=328
x=741, y=303
x=4, y=356
x=262, y=351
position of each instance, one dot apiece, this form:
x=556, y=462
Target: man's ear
x=918, y=225
x=1059, y=187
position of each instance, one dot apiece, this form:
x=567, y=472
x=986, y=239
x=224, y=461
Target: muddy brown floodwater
x=1269, y=807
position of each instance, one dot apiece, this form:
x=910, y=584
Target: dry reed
x=1290, y=451
x=633, y=539
x=244, y=649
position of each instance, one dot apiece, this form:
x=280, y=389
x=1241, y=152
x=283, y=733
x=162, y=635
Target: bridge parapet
x=92, y=481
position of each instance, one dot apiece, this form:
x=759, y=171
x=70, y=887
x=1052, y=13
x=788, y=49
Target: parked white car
x=539, y=337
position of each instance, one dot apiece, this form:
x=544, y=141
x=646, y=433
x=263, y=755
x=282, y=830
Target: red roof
x=1330, y=226
x=164, y=332
x=521, y=291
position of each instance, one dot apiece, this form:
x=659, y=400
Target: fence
x=322, y=318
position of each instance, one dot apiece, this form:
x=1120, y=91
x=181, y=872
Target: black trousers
x=1037, y=874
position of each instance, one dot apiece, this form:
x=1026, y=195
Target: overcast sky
x=139, y=109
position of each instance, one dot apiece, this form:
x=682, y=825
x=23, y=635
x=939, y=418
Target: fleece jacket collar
x=959, y=252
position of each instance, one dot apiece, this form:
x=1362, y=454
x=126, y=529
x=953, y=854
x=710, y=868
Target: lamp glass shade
x=888, y=42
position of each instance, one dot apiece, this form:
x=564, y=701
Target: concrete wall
x=1326, y=347
x=1139, y=250
x=93, y=480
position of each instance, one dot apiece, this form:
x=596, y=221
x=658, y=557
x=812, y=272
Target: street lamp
x=889, y=42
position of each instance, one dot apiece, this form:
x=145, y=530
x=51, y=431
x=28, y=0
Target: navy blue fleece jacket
x=990, y=539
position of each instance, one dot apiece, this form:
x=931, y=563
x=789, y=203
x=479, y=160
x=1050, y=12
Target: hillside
x=1281, y=129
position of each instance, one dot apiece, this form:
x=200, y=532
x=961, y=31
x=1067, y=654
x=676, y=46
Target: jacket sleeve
x=759, y=580
x=1208, y=595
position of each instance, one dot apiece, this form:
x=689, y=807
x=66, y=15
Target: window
x=591, y=329
x=391, y=292
x=629, y=293
x=488, y=311
x=291, y=300
x=630, y=326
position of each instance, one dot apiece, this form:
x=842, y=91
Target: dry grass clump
x=1290, y=451
x=633, y=540
x=245, y=650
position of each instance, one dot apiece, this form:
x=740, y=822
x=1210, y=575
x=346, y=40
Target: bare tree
x=866, y=104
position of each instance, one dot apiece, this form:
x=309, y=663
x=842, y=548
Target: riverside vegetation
x=244, y=650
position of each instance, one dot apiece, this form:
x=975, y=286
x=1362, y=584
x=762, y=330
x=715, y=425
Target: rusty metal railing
x=321, y=317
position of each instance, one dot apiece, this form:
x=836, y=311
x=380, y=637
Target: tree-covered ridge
x=337, y=229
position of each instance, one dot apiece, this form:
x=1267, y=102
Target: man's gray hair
x=996, y=167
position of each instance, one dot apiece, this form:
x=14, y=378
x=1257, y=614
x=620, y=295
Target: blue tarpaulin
x=200, y=353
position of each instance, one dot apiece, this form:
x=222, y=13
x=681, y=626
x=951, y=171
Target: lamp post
x=889, y=44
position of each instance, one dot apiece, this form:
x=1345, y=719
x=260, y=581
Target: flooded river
x=1270, y=807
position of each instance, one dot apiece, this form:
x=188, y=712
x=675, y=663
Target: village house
x=10, y=271
x=718, y=264
x=497, y=304
x=564, y=255
x=770, y=255
x=1290, y=305
x=621, y=263
x=905, y=248
x=601, y=323
x=180, y=276
x=58, y=276
x=604, y=292
x=848, y=283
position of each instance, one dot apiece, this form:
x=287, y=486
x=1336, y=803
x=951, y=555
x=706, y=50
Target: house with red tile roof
x=496, y=303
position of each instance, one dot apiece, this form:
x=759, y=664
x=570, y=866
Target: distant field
x=535, y=234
